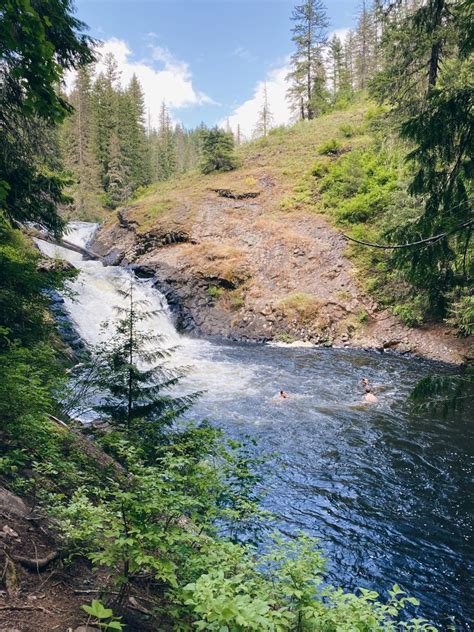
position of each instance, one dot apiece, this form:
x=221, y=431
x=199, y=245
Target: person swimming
x=368, y=396
x=283, y=395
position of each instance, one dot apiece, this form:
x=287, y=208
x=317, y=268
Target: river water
x=387, y=491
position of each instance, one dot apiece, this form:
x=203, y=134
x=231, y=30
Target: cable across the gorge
x=422, y=242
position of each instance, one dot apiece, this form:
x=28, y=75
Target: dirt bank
x=231, y=267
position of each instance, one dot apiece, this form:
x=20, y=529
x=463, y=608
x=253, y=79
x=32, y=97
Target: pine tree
x=77, y=139
x=133, y=136
x=217, y=151
x=117, y=180
x=427, y=79
x=307, y=91
x=164, y=146
x=105, y=107
x=132, y=375
x=238, y=135
x=265, y=117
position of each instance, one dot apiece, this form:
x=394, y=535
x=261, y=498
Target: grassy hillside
x=338, y=165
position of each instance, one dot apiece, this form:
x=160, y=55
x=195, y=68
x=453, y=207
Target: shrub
x=299, y=304
x=319, y=169
x=330, y=148
x=363, y=316
x=461, y=315
x=410, y=313
x=347, y=130
x=214, y=291
x=284, y=336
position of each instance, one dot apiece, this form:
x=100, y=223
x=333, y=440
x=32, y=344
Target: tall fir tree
x=165, y=147
x=427, y=79
x=132, y=132
x=217, y=151
x=307, y=92
x=265, y=116
x=77, y=140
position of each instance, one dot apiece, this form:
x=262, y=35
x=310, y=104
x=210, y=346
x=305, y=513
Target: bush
x=410, y=313
x=330, y=148
x=461, y=315
x=214, y=291
x=347, y=130
x=319, y=169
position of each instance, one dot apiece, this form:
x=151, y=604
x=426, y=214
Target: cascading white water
x=94, y=297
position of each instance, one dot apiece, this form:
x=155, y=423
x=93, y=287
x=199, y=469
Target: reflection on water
x=386, y=490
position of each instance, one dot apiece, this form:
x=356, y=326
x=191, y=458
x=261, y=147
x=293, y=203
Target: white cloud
x=170, y=81
x=246, y=115
x=341, y=34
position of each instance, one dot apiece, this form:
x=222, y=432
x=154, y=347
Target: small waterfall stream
x=385, y=490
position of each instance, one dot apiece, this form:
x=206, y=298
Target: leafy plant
x=214, y=291
x=330, y=148
x=102, y=617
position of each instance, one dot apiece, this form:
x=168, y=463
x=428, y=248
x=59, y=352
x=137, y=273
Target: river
x=387, y=491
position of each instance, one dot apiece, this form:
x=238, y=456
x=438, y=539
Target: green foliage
x=38, y=42
x=214, y=291
x=426, y=77
x=363, y=316
x=451, y=394
x=411, y=313
x=217, y=151
x=348, y=131
x=319, y=169
x=102, y=617
x=129, y=375
x=330, y=148
x=461, y=314
x=286, y=591
x=285, y=337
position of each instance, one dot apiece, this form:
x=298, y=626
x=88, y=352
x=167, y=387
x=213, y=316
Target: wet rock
x=54, y=265
x=10, y=504
x=113, y=257
x=389, y=344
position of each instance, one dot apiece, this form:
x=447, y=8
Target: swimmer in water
x=283, y=395
x=369, y=397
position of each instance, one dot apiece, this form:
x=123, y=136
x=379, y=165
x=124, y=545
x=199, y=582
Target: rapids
x=385, y=490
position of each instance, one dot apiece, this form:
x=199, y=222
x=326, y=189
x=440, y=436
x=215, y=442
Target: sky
x=208, y=59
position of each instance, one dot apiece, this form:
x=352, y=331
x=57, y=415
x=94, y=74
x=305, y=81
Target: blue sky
x=210, y=56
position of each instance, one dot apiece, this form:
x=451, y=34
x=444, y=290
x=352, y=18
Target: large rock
x=10, y=504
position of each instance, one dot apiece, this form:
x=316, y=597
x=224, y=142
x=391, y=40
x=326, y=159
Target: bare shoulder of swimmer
x=370, y=397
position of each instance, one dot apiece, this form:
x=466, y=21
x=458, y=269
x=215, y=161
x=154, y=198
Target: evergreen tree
x=265, y=117
x=105, y=105
x=365, y=46
x=78, y=143
x=37, y=43
x=117, y=182
x=133, y=136
x=132, y=376
x=238, y=135
x=217, y=151
x=165, y=148
x=307, y=91
x=427, y=78
x=341, y=85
